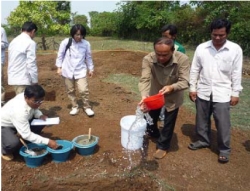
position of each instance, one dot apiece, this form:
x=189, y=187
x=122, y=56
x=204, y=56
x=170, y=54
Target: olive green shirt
x=155, y=76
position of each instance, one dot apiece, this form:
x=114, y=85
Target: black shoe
x=198, y=145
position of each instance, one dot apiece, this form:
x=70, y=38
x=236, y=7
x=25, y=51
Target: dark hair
x=220, y=23
x=164, y=40
x=172, y=29
x=35, y=91
x=29, y=26
x=77, y=27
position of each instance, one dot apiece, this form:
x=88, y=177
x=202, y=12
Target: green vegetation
x=143, y=20
x=138, y=20
x=188, y=103
x=240, y=113
x=102, y=43
x=51, y=17
x=129, y=82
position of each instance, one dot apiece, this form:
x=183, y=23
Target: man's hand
x=193, y=96
x=59, y=71
x=234, y=101
x=52, y=144
x=166, y=90
x=43, y=117
x=142, y=105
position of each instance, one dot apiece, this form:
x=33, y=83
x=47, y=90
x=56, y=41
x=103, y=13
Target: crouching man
x=16, y=116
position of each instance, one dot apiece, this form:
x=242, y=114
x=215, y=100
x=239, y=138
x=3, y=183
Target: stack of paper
x=48, y=121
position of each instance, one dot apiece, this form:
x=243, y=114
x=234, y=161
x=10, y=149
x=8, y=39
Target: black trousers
x=10, y=141
x=166, y=133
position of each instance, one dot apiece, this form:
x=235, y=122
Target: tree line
x=138, y=20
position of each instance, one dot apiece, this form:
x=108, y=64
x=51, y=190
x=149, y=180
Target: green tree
x=144, y=19
x=235, y=11
x=64, y=7
x=51, y=17
x=103, y=24
x=80, y=19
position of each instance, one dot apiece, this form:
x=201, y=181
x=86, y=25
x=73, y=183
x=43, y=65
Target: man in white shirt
x=215, y=85
x=4, y=45
x=16, y=116
x=22, y=67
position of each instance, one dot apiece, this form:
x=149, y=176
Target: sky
x=81, y=7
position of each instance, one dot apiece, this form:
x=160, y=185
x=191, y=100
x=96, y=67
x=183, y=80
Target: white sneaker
x=89, y=112
x=74, y=111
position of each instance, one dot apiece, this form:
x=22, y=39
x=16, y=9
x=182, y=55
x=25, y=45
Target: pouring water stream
x=139, y=121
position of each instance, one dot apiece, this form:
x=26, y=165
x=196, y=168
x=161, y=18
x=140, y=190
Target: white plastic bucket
x=132, y=139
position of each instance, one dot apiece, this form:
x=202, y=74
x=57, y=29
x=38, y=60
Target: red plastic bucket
x=154, y=102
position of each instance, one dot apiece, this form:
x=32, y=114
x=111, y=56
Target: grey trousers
x=10, y=140
x=221, y=114
x=2, y=83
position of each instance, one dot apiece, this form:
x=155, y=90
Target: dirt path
x=111, y=167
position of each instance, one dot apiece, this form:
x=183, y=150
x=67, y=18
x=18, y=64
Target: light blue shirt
x=217, y=72
x=77, y=60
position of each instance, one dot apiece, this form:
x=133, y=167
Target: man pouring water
x=16, y=116
x=164, y=71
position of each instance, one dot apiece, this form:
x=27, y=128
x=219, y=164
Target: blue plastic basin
x=61, y=155
x=33, y=161
x=87, y=148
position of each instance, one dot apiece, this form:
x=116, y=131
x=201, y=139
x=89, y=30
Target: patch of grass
x=190, y=51
x=127, y=81
x=239, y=113
x=188, y=104
x=102, y=43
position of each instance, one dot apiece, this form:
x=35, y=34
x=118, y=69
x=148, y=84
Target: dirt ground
x=112, y=168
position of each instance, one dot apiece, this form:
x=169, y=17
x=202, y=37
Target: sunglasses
x=37, y=102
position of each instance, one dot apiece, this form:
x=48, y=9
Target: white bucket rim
x=127, y=127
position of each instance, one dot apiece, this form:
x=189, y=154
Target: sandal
x=159, y=154
x=197, y=145
x=223, y=159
